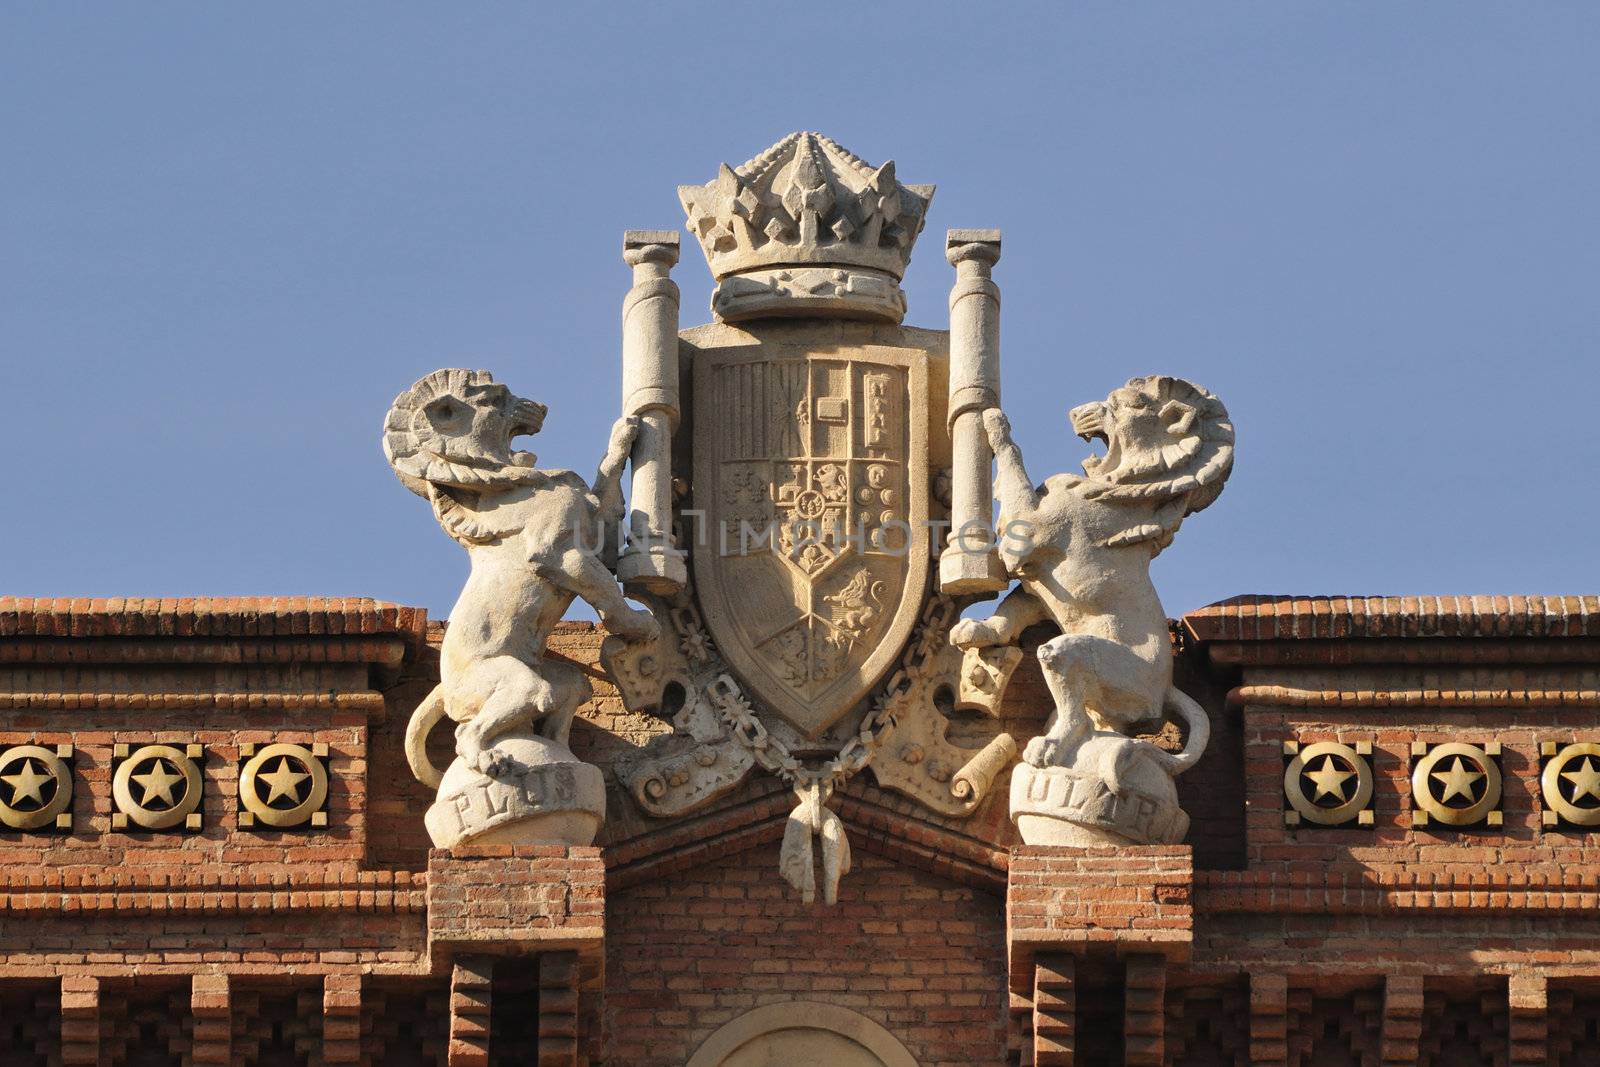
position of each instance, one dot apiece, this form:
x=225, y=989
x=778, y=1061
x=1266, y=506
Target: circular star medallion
x=35, y=787
x=1571, y=784
x=1456, y=784
x=283, y=785
x=157, y=787
x=1328, y=783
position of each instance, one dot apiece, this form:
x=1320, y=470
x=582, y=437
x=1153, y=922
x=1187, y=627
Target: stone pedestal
x=543, y=795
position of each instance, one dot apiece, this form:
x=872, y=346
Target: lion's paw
x=635, y=626
x=495, y=763
x=974, y=633
x=1041, y=751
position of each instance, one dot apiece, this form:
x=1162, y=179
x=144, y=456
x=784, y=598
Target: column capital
x=650, y=246
x=983, y=246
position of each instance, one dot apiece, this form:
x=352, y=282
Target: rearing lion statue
x=534, y=538
x=1081, y=548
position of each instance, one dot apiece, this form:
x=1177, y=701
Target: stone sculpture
x=1081, y=548
x=800, y=472
x=536, y=540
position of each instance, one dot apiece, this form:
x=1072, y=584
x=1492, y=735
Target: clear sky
x=230, y=234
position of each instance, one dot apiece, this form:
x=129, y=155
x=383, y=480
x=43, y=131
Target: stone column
x=969, y=563
x=651, y=563
x=211, y=1004
x=80, y=1020
x=470, y=1002
x=341, y=1018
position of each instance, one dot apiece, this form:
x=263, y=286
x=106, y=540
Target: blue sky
x=230, y=234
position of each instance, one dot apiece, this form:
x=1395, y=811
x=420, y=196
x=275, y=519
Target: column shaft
x=650, y=392
x=969, y=562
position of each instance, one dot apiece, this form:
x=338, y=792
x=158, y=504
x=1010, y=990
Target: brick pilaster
x=211, y=1005
x=80, y=1021
x=558, y=1009
x=469, y=1011
x=1402, y=1020
x=1145, y=1010
x=1529, y=1018
x=1269, y=1019
x=1054, y=1010
x=341, y=1018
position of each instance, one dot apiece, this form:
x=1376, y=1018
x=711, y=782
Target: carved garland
x=714, y=688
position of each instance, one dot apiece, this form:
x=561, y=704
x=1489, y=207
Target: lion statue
x=536, y=539
x=1081, y=548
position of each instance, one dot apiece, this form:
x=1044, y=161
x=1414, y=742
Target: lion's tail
x=422, y=722
x=1184, y=707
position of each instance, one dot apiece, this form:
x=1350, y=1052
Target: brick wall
x=920, y=956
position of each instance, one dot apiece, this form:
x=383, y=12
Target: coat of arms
x=812, y=459
x=809, y=512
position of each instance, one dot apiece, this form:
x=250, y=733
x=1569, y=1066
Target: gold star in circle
x=1585, y=780
x=1330, y=779
x=283, y=781
x=1458, y=780
x=158, y=782
x=29, y=784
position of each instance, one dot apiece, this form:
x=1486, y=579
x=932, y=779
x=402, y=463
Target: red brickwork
x=1125, y=899
x=1393, y=943
x=504, y=899
x=920, y=956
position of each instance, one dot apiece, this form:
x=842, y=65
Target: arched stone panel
x=779, y=1035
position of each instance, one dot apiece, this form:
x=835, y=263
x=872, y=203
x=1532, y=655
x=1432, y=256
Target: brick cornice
x=1375, y=892
x=1297, y=618
x=215, y=617
x=132, y=891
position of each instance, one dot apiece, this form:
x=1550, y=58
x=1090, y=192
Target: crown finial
x=807, y=228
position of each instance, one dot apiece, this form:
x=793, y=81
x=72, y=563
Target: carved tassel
x=797, y=859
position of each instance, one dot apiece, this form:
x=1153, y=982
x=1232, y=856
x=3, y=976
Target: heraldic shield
x=811, y=472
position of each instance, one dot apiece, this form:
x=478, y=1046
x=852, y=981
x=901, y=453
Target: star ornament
x=157, y=783
x=283, y=781
x=1329, y=780
x=28, y=784
x=1585, y=780
x=1458, y=781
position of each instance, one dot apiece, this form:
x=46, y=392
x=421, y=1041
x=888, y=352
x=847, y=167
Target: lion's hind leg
x=569, y=688
x=1089, y=675
x=512, y=695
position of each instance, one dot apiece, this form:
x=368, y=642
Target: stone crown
x=806, y=203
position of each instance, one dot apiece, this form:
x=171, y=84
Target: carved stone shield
x=811, y=471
